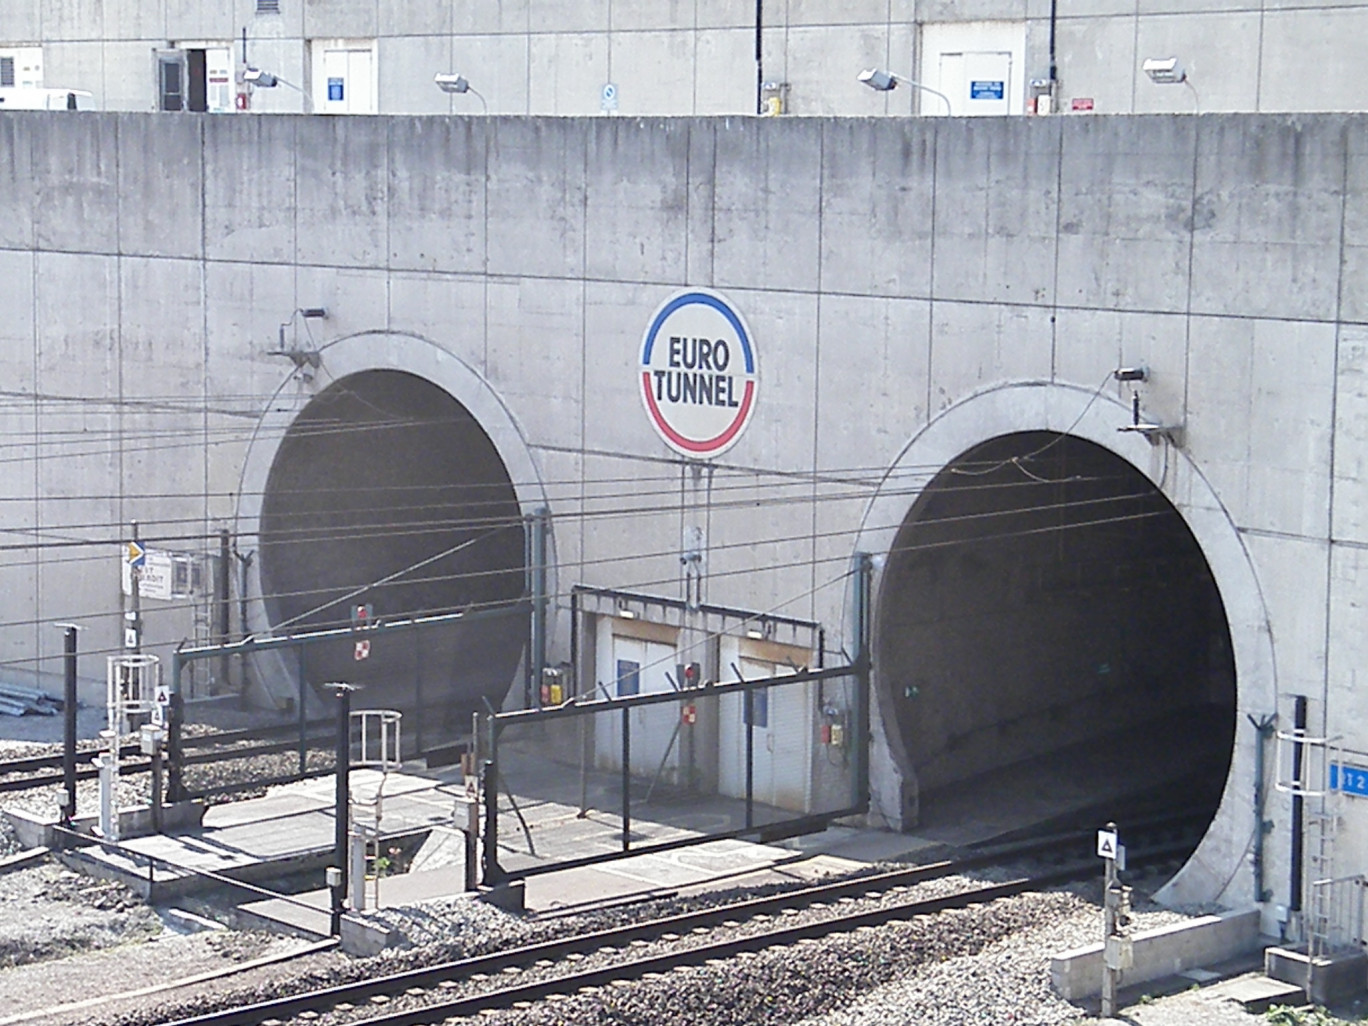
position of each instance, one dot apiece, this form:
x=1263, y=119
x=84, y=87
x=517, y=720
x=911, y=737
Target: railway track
x=464, y=987
x=30, y=772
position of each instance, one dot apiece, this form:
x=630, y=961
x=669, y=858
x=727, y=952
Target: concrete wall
x=913, y=287
x=698, y=56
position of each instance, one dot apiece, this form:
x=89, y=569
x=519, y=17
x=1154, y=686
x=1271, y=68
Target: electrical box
x=552, y=686
x=774, y=98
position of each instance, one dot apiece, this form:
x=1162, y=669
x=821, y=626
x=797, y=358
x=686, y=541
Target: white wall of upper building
x=690, y=56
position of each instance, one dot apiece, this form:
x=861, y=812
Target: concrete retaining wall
x=1161, y=952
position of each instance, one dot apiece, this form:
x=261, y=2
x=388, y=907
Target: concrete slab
x=1255, y=992
x=1328, y=980
x=289, y=830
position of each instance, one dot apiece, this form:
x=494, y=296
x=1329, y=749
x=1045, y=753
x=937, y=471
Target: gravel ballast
x=70, y=941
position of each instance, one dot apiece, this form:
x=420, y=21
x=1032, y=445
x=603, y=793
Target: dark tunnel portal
x=1049, y=628
x=386, y=477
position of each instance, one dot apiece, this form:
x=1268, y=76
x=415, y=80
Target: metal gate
x=592, y=781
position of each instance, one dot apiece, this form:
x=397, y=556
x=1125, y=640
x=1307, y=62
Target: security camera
x=1131, y=374
x=449, y=82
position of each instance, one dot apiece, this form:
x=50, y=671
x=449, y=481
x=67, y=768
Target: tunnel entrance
x=386, y=491
x=1050, y=634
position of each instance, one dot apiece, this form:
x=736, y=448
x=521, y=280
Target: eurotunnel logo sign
x=699, y=373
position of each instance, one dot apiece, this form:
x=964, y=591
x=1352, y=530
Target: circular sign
x=698, y=373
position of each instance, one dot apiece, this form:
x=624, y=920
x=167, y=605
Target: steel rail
x=635, y=968
x=432, y=976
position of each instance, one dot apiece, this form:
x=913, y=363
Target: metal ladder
x=1306, y=765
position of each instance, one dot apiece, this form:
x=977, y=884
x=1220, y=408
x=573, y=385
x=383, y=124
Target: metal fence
x=220, y=744
x=601, y=779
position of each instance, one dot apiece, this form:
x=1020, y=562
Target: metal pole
x=1109, y=974
x=1264, y=729
x=302, y=717
x=864, y=575
x=418, y=689
x=626, y=779
x=537, y=654
x=342, y=805
x=493, y=872
x=69, y=723
x=175, y=722
x=135, y=621
x=225, y=606
x=530, y=585
x=1294, y=897
x=157, y=769
x=748, y=704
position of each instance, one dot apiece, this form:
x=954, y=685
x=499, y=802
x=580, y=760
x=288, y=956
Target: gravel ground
x=65, y=939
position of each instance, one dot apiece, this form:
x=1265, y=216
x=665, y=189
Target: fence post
x=69, y=723
x=301, y=718
x=493, y=872
x=342, y=807
x=626, y=778
x=748, y=704
x=175, y=751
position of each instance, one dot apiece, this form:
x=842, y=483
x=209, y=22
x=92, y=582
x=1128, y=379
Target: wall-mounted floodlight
x=449, y=82
x=1164, y=70
x=885, y=81
x=263, y=79
x=266, y=80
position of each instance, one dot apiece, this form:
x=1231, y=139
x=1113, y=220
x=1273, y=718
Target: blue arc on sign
x=707, y=300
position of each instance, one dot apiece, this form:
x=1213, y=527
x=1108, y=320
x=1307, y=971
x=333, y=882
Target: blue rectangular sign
x=987, y=90
x=334, y=89
x=1349, y=779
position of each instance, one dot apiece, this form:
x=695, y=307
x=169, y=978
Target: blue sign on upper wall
x=987, y=90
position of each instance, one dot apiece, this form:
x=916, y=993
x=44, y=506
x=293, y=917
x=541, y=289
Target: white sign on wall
x=161, y=575
x=699, y=373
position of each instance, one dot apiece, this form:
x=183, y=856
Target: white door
x=344, y=82
x=977, y=82
x=781, y=744
x=639, y=667
x=218, y=79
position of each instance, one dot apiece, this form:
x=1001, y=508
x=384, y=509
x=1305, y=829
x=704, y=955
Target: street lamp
x=886, y=81
x=449, y=82
x=266, y=80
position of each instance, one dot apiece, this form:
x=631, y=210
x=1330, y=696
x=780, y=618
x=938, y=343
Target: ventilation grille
x=268, y=6
x=6, y=71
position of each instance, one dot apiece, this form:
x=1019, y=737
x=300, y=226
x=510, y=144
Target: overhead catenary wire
x=814, y=561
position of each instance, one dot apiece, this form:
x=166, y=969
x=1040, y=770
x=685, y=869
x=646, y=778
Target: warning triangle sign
x=1106, y=844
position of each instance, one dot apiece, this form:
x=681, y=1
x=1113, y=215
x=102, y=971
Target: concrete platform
x=289, y=830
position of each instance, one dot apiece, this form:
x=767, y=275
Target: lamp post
x=449, y=82
x=886, y=81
